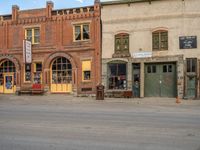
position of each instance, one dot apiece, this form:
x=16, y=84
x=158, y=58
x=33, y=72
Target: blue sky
x=6, y=5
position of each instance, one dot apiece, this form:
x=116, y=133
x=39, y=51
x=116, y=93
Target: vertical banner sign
x=27, y=51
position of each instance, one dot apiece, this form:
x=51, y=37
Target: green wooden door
x=191, y=87
x=160, y=80
x=168, y=78
x=152, y=79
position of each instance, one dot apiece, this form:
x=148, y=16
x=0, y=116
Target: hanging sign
x=27, y=51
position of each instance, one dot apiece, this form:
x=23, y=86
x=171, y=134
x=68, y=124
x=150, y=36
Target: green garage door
x=160, y=80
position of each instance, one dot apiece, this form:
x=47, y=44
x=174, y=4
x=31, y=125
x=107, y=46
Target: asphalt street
x=59, y=122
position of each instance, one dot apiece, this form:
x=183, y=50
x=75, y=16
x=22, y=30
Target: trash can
x=100, y=92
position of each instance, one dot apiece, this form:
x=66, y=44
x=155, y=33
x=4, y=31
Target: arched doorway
x=7, y=76
x=61, y=75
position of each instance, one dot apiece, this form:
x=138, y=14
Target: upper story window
x=122, y=42
x=81, y=32
x=160, y=40
x=121, y=45
x=33, y=35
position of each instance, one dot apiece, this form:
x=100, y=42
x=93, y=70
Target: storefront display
x=117, y=76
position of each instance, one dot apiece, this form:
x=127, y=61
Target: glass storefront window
x=37, y=78
x=117, y=76
x=27, y=72
x=61, y=71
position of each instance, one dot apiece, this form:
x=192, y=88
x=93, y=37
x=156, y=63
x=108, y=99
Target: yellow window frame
x=32, y=34
x=86, y=66
x=81, y=25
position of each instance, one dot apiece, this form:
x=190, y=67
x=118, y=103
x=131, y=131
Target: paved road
x=64, y=123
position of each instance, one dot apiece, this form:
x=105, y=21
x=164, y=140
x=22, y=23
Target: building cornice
x=118, y=2
x=157, y=17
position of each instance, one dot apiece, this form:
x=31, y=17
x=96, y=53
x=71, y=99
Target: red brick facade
x=56, y=40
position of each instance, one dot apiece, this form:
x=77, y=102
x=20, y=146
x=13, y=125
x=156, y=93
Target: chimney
x=97, y=8
x=97, y=1
x=97, y=5
x=49, y=7
x=15, y=10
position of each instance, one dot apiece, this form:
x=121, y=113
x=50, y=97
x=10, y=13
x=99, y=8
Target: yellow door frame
x=55, y=86
x=5, y=90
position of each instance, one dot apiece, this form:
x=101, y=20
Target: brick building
x=150, y=47
x=65, y=49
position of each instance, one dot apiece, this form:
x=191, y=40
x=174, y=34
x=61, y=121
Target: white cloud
x=81, y=1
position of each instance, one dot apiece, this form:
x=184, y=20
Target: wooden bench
x=119, y=94
x=35, y=89
x=24, y=91
x=128, y=94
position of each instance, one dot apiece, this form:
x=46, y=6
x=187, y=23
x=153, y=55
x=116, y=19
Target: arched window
x=61, y=71
x=160, y=40
x=7, y=66
x=122, y=42
x=121, y=45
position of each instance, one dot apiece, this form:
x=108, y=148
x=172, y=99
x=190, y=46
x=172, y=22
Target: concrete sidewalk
x=62, y=99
